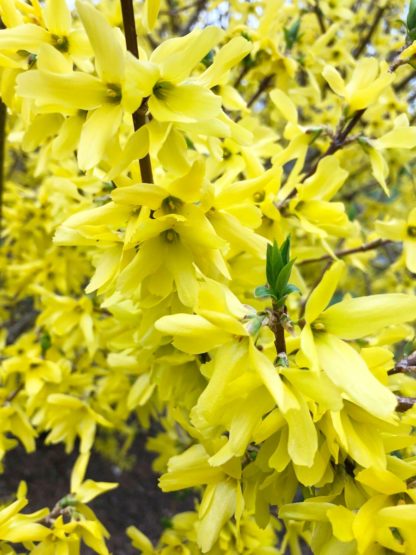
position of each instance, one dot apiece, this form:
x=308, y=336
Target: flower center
x=171, y=204
x=60, y=43
x=113, y=93
x=411, y=231
x=170, y=236
x=161, y=89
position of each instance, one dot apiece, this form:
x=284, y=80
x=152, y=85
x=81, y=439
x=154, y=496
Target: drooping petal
x=177, y=57
x=303, y=438
x=150, y=13
x=394, y=229
x=325, y=182
x=410, y=255
x=285, y=105
x=229, y=55
x=27, y=37
x=185, y=103
x=75, y=91
x=101, y=125
x=137, y=147
x=334, y=80
x=108, y=51
x=57, y=17
x=179, y=263
x=361, y=316
x=379, y=168
x=400, y=137
x=323, y=293
x=192, y=333
x=213, y=515
x=188, y=186
x=268, y=374
x=347, y=370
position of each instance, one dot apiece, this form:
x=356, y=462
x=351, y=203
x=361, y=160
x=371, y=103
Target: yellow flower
x=402, y=230
x=56, y=30
x=165, y=78
x=369, y=78
x=20, y=528
x=68, y=417
x=105, y=97
x=321, y=338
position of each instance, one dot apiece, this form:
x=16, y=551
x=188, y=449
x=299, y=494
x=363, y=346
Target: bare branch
x=367, y=37
x=404, y=403
x=139, y=116
x=346, y=252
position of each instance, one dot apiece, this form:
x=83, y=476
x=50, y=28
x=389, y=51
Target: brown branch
x=346, y=252
x=175, y=11
x=338, y=141
x=367, y=37
x=139, y=116
x=320, y=16
x=200, y=5
x=405, y=366
x=244, y=70
x=264, y=84
x=274, y=323
x=13, y=394
x=404, y=403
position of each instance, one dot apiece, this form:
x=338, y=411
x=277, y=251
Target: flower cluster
x=212, y=224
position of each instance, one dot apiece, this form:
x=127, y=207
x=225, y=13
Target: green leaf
x=274, y=263
x=290, y=288
x=283, y=278
x=263, y=292
x=411, y=16
x=292, y=34
x=45, y=342
x=285, y=250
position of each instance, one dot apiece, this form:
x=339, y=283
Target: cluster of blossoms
x=212, y=226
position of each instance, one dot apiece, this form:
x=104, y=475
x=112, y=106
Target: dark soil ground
x=137, y=501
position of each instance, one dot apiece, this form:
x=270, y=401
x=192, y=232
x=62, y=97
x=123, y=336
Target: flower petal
x=361, y=316
x=185, y=103
x=323, y=293
x=349, y=372
x=109, y=53
x=57, y=17
x=100, y=127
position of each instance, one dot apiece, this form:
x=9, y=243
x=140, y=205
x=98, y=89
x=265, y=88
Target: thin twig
x=200, y=5
x=405, y=403
x=367, y=37
x=275, y=325
x=264, y=85
x=175, y=11
x=338, y=141
x=405, y=366
x=244, y=70
x=139, y=116
x=13, y=394
x=173, y=15
x=320, y=16
x=346, y=252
